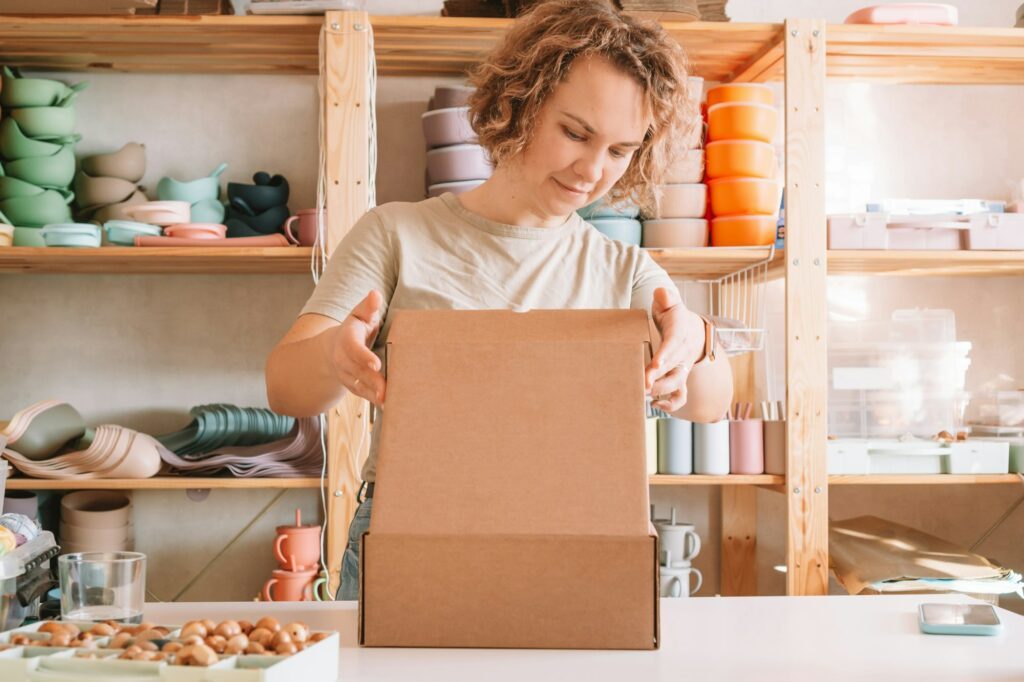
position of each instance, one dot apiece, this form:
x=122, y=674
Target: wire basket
x=737, y=305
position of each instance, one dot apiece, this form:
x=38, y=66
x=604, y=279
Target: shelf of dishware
x=927, y=479
x=157, y=260
x=161, y=483
x=926, y=263
x=731, y=479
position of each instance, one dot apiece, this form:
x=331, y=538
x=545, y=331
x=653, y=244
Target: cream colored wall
x=140, y=350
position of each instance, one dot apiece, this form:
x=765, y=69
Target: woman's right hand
x=354, y=363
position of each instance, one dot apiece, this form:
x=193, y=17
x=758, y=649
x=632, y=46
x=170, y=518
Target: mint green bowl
x=29, y=236
x=34, y=92
x=625, y=230
x=49, y=206
x=72, y=234
x=42, y=122
x=14, y=144
x=57, y=170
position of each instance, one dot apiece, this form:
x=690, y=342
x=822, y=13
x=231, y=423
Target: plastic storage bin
x=914, y=234
x=857, y=231
x=921, y=457
x=995, y=232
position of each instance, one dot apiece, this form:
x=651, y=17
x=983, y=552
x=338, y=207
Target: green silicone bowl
x=42, y=122
x=34, y=92
x=15, y=144
x=29, y=236
x=49, y=206
x=52, y=171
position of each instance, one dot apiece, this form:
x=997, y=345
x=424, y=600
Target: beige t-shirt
x=437, y=255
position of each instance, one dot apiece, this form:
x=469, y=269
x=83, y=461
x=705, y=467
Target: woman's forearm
x=300, y=382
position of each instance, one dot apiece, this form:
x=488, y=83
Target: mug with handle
x=675, y=582
x=306, y=233
x=321, y=589
x=291, y=586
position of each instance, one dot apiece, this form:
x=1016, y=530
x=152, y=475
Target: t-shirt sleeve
x=647, y=277
x=364, y=260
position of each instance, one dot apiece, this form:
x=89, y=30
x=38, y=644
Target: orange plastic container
x=743, y=158
x=740, y=92
x=742, y=121
x=743, y=230
x=744, y=196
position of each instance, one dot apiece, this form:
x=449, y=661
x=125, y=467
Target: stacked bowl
x=455, y=162
x=202, y=195
x=96, y=521
x=257, y=209
x=106, y=185
x=615, y=220
x=741, y=165
x=683, y=199
x=37, y=148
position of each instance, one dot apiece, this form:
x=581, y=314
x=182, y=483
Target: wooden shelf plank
x=161, y=483
x=925, y=54
x=716, y=50
x=157, y=260
x=709, y=262
x=198, y=44
x=926, y=263
x=703, y=263
x=939, y=479
x=404, y=45
x=732, y=479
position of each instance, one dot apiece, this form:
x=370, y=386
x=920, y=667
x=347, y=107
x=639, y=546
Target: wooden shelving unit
x=223, y=260
x=941, y=479
x=803, y=52
x=162, y=483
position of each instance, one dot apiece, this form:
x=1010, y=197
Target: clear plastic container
x=1000, y=408
x=892, y=415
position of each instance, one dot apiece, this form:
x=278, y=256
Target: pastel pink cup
x=305, y=233
x=746, y=446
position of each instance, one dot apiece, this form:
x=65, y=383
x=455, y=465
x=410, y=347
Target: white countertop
x=734, y=638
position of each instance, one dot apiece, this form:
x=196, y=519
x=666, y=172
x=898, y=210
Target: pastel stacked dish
x=106, y=185
x=124, y=232
x=682, y=202
x=37, y=140
x=96, y=521
x=455, y=162
x=741, y=165
x=618, y=220
x=72, y=235
x=201, y=194
x=257, y=209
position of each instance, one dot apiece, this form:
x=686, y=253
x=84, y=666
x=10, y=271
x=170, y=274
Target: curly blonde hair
x=515, y=80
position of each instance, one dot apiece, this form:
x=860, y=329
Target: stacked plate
x=221, y=425
x=96, y=521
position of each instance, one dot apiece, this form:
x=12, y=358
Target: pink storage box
x=928, y=13
x=995, y=232
x=857, y=231
x=906, y=233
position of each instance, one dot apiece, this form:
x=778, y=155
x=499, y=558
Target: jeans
x=349, y=588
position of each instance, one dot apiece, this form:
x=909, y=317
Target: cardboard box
x=511, y=505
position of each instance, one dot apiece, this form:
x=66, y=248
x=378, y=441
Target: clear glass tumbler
x=97, y=586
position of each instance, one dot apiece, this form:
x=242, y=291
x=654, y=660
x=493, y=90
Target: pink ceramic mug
x=297, y=548
x=291, y=586
x=307, y=219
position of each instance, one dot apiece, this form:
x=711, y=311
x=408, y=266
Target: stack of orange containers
x=741, y=167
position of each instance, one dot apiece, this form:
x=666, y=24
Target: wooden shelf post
x=346, y=116
x=806, y=310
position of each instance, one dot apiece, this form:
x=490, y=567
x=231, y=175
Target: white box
x=925, y=235
x=995, y=232
x=857, y=231
x=978, y=457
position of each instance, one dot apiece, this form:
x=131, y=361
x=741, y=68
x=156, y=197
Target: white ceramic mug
x=680, y=544
x=675, y=582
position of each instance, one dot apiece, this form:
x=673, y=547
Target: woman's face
x=586, y=135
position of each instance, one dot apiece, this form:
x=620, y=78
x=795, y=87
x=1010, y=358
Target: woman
x=578, y=102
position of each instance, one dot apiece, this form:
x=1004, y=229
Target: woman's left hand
x=665, y=378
